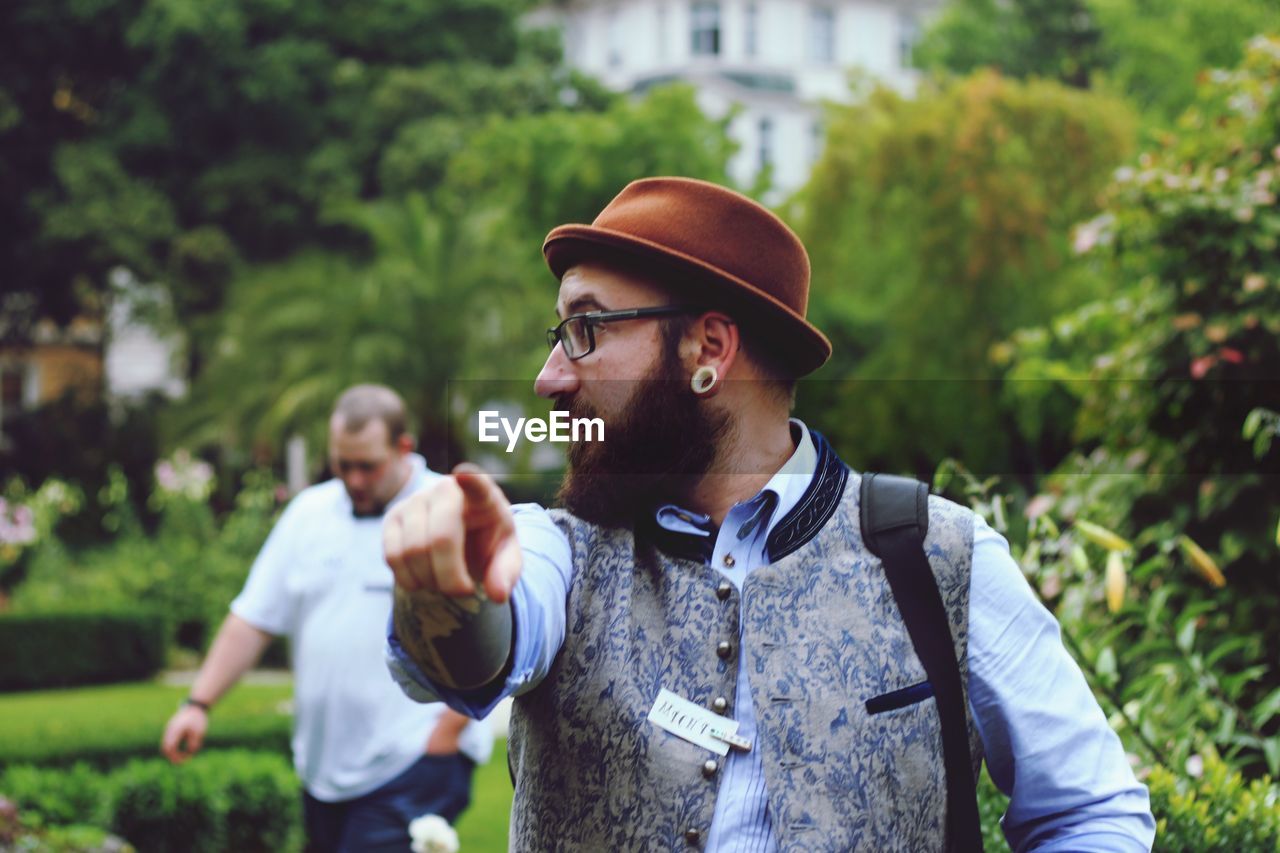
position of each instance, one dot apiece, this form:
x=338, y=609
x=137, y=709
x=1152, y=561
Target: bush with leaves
x=937, y=226
x=1175, y=675
x=190, y=569
x=1174, y=420
x=1219, y=810
x=235, y=800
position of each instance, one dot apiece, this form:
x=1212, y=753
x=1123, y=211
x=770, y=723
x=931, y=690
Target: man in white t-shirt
x=370, y=759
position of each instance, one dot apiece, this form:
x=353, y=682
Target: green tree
x=937, y=226
x=182, y=138
x=454, y=288
x=1155, y=51
x=1057, y=39
x=1151, y=51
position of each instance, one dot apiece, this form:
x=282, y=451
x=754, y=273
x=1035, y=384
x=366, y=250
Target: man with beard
x=370, y=760
x=704, y=649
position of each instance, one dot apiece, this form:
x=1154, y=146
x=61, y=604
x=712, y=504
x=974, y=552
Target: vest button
x=692, y=836
x=722, y=591
x=729, y=561
x=720, y=704
x=709, y=769
x=724, y=649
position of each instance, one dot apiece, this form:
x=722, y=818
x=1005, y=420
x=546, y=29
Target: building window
x=908, y=37
x=614, y=36
x=765, y=140
x=751, y=41
x=822, y=34
x=706, y=29
x=662, y=31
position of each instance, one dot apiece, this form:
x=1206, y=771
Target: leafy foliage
x=189, y=570
x=1156, y=52
x=1174, y=398
x=181, y=138
x=936, y=227
x=1150, y=51
x=233, y=800
x=455, y=287
x=1056, y=39
x=1218, y=811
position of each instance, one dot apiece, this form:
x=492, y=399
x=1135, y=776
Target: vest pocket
x=899, y=698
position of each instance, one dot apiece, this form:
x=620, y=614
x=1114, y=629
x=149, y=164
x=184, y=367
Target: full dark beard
x=665, y=439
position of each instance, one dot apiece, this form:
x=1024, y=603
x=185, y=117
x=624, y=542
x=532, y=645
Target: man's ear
x=405, y=443
x=714, y=342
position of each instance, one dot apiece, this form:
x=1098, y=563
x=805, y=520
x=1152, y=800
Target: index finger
x=483, y=500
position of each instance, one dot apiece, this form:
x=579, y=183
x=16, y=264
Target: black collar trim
x=816, y=505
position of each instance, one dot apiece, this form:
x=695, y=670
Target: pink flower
x=1202, y=365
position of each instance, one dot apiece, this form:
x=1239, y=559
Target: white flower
x=185, y=476
x=432, y=834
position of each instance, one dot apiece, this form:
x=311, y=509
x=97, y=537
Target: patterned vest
x=822, y=635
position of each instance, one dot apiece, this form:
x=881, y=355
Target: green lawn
x=483, y=827
x=106, y=725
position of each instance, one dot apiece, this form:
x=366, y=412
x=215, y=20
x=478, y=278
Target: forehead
x=595, y=287
x=373, y=436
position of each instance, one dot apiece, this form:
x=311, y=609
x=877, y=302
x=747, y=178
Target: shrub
x=162, y=808
x=261, y=799
x=237, y=800
x=79, y=647
x=57, y=797
x=1175, y=377
x=1219, y=811
x=190, y=568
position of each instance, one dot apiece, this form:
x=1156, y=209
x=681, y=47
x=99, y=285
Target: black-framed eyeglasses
x=577, y=333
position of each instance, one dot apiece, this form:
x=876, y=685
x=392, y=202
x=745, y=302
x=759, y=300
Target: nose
x=557, y=375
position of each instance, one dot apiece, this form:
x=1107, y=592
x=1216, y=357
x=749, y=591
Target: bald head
x=369, y=446
x=361, y=405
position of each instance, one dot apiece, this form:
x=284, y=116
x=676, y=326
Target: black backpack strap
x=895, y=519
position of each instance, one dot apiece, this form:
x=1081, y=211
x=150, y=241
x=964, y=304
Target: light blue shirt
x=1072, y=790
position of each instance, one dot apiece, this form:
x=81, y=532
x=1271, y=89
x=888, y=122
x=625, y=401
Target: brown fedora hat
x=716, y=243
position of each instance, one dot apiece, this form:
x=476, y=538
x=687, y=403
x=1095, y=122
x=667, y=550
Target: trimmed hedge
x=80, y=647
x=233, y=800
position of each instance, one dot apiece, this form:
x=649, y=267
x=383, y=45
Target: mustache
x=574, y=406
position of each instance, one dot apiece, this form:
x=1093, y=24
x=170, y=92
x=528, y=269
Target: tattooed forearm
x=459, y=643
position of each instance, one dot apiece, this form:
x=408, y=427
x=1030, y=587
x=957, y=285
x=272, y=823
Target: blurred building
x=119, y=357
x=52, y=362
x=777, y=60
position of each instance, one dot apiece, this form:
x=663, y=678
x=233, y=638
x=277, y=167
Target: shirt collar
x=772, y=503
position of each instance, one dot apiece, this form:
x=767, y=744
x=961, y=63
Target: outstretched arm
x=455, y=557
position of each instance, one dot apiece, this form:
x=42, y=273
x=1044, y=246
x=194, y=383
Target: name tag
x=695, y=724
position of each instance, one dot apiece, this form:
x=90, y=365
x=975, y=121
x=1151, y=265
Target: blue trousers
x=379, y=820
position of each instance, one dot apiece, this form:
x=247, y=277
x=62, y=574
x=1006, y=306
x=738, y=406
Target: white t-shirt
x=321, y=579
